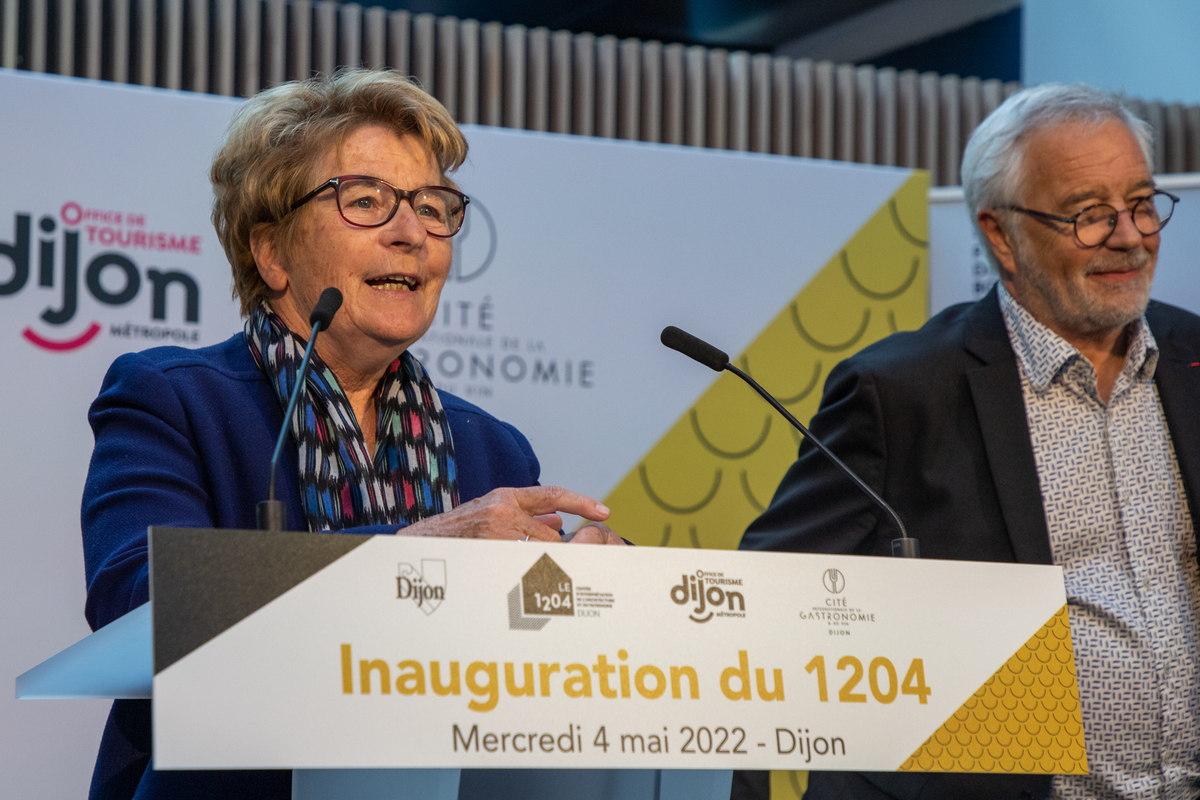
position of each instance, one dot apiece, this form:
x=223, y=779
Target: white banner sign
x=578, y=252
x=439, y=653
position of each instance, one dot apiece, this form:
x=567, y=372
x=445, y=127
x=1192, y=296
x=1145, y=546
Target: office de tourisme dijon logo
x=69, y=272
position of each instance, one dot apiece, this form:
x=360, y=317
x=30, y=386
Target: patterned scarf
x=412, y=475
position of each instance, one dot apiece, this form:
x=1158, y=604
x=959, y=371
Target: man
x=1054, y=421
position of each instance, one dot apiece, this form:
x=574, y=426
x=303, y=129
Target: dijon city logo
x=711, y=594
x=425, y=588
x=545, y=591
x=90, y=249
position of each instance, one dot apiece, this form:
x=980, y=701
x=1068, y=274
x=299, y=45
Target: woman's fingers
x=523, y=514
x=596, y=533
x=536, y=531
x=552, y=521
x=551, y=499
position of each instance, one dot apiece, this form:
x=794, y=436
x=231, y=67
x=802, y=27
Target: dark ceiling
x=755, y=25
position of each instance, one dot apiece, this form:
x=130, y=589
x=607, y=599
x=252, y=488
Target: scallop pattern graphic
x=1026, y=718
x=716, y=468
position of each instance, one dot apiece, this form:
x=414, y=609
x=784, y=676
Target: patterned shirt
x=1121, y=530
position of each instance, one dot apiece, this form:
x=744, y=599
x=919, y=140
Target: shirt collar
x=1043, y=354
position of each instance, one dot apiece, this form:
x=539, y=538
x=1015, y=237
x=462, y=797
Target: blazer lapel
x=996, y=392
x=1178, y=380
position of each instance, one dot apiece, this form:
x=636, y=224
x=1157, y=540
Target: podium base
x=514, y=784
x=375, y=784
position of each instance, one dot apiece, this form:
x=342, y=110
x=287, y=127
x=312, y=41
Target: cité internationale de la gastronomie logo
x=833, y=580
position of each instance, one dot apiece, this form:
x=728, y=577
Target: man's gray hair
x=991, y=168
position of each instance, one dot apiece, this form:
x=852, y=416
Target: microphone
x=327, y=305
x=272, y=516
x=700, y=350
x=695, y=349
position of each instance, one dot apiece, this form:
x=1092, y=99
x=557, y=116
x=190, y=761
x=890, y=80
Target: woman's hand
x=530, y=512
x=595, y=533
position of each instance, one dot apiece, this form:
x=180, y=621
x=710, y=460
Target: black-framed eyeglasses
x=367, y=202
x=1095, y=224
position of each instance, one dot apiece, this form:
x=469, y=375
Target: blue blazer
x=184, y=438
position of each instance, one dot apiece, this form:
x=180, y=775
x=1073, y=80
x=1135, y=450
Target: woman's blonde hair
x=278, y=139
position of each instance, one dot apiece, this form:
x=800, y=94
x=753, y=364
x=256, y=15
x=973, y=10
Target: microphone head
x=693, y=348
x=327, y=305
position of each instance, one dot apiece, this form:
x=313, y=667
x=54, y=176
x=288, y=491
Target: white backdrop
x=602, y=244
x=579, y=251
x=107, y=149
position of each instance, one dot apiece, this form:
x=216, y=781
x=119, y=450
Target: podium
x=393, y=666
x=116, y=662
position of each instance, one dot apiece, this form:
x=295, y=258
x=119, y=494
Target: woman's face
x=391, y=277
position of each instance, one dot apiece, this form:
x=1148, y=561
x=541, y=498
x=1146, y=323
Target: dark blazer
x=934, y=421
x=184, y=438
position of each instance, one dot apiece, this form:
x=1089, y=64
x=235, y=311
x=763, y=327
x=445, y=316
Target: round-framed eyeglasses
x=1095, y=224
x=367, y=202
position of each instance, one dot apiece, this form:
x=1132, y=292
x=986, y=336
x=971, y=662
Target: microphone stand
x=272, y=516
x=715, y=359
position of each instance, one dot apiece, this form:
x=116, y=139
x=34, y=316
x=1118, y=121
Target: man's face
x=1074, y=290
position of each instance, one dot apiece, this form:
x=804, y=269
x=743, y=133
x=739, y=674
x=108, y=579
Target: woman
x=331, y=182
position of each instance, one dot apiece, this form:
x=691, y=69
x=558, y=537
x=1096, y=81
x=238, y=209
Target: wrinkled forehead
x=1074, y=159
x=336, y=155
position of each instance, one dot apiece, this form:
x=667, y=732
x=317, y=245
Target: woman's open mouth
x=395, y=283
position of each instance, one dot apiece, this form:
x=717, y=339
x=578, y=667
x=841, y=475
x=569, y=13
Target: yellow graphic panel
x=1025, y=718
x=788, y=784
x=716, y=469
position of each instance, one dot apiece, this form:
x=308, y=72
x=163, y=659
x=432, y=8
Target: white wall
x=1146, y=48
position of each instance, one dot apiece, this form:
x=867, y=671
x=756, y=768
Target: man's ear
x=266, y=257
x=999, y=239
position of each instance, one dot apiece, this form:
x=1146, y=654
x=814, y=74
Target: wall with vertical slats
x=537, y=79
